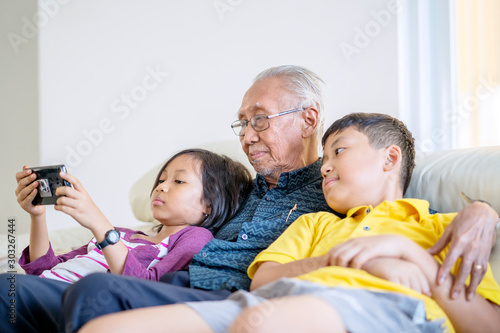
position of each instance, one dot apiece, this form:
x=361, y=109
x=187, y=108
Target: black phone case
x=49, y=180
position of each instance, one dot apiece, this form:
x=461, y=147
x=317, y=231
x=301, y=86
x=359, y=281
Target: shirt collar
x=292, y=180
x=413, y=206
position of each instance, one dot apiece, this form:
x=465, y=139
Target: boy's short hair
x=382, y=131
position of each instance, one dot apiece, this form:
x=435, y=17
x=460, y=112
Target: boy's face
x=353, y=171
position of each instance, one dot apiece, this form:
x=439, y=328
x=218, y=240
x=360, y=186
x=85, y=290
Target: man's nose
x=251, y=135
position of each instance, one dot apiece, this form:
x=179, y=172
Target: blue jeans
x=30, y=303
x=45, y=305
x=99, y=294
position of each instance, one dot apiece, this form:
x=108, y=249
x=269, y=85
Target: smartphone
x=48, y=181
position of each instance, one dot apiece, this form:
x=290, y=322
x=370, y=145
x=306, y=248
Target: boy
x=368, y=271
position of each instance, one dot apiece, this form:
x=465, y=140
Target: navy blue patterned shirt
x=266, y=213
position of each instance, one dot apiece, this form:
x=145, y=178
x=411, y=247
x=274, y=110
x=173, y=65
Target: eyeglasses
x=259, y=122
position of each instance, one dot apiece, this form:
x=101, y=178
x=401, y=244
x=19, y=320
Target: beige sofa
x=439, y=177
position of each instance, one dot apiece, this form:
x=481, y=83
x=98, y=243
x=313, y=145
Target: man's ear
x=311, y=121
x=393, y=157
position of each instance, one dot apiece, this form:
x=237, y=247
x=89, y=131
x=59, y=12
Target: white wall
x=93, y=54
x=19, y=135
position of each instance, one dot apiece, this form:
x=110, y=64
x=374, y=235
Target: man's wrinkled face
x=280, y=148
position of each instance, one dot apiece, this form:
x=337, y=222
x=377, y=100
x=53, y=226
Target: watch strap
x=106, y=240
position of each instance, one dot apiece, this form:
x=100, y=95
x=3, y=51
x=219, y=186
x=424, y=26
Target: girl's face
x=178, y=198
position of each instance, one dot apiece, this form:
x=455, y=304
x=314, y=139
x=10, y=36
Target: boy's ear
x=311, y=121
x=393, y=157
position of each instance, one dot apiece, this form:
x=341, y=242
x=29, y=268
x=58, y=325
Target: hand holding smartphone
x=49, y=180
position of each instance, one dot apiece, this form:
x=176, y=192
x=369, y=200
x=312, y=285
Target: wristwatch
x=111, y=237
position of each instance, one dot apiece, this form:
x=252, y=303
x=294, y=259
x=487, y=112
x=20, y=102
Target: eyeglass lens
x=259, y=123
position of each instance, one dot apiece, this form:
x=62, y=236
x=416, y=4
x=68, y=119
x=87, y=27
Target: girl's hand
x=26, y=190
x=77, y=203
x=357, y=251
x=399, y=271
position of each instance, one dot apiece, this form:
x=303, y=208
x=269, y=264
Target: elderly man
x=279, y=125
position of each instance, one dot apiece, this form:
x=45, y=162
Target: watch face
x=113, y=236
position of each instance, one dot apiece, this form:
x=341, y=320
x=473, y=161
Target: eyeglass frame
x=241, y=121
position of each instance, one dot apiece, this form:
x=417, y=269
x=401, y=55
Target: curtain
x=477, y=101
x=425, y=70
x=449, y=72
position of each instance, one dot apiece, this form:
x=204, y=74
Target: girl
x=194, y=194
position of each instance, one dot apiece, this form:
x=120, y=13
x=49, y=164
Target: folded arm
x=478, y=315
x=270, y=271
x=399, y=271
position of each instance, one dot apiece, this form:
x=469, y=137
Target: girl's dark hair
x=382, y=131
x=226, y=184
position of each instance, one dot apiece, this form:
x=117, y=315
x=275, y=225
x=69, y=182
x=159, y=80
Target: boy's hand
x=399, y=271
x=471, y=236
x=77, y=203
x=357, y=251
x=26, y=190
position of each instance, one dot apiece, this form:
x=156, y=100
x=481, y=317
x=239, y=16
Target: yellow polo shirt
x=314, y=234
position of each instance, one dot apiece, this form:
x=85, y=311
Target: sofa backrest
x=440, y=177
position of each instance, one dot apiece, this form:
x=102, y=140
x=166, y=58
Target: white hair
x=304, y=84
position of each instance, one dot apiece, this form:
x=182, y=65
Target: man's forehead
x=252, y=109
x=267, y=95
